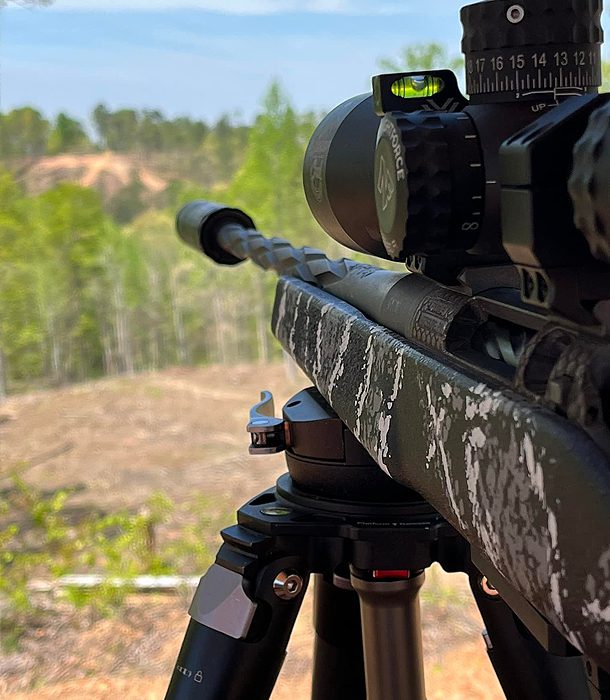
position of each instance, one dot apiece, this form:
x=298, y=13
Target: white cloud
x=241, y=7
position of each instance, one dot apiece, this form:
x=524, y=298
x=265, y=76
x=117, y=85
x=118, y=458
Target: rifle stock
x=525, y=487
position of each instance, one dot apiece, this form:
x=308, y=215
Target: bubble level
x=417, y=86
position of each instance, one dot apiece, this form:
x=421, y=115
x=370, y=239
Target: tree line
x=26, y=133
x=83, y=297
x=89, y=291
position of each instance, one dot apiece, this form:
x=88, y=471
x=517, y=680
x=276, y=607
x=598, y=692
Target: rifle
x=478, y=381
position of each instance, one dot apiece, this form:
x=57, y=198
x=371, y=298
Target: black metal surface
x=409, y=304
x=325, y=460
x=240, y=621
x=370, y=536
x=428, y=191
x=282, y=530
x=266, y=431
x=391, y=626
x=338, y=663
x=212, y=664
x=590, y=183
x=527, y=487
x=532, y=50
x=446, y=97
x=541, y=675
x=495, y=412
x=199, y=223
x=547, y=22
x=338, y=178
x=537, y=209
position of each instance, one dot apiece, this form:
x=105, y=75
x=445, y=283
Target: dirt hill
x=107, y=172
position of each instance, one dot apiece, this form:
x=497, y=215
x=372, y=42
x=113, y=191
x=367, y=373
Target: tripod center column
x=391, y=634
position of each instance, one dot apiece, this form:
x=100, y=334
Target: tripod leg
x=338, y=664
x=391, y=635
x=526, y=671
x=241, y=620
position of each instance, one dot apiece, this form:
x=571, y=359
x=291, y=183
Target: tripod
x=367, y=541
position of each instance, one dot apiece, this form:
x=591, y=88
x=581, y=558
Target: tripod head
x=514, y=178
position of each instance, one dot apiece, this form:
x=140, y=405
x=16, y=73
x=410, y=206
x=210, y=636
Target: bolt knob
x=589, y=184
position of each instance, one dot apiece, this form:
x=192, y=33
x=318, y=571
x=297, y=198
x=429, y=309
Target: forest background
x=93, y=281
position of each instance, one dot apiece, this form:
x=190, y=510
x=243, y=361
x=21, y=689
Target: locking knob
x=267, y=432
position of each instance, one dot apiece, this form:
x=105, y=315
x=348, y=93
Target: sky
x=205, y=58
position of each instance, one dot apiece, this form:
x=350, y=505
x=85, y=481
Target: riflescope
x=518, y=175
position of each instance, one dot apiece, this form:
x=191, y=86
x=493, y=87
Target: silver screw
x=515, y=14
x=276, y=511
x=487, y=640
x=488, y=588
x=287, y=585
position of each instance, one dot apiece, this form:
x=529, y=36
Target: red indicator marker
x=391, y=573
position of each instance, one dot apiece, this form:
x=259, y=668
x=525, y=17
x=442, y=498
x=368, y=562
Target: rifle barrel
x=392, y=299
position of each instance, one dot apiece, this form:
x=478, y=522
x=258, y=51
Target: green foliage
x=20, y=333
x=128, y=202
x=85, y=294
x=191, y=552
x=119, y=130
x=179, y=192
x=269, y=183
x=69, y=222
x=41, y=544
x=147, y=130
x=39, y=540
x=23, y=132
x=224, y=148
x=67, y=136
x=424, y=56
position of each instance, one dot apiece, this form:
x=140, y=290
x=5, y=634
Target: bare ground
x=180, y=431
x=108, y=172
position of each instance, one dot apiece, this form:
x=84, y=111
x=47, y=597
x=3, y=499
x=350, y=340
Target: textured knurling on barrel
x=589, y=183
x=486, y=26
x=307, y=264
x=428, y=181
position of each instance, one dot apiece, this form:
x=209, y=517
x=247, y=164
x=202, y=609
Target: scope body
x=515, y=177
